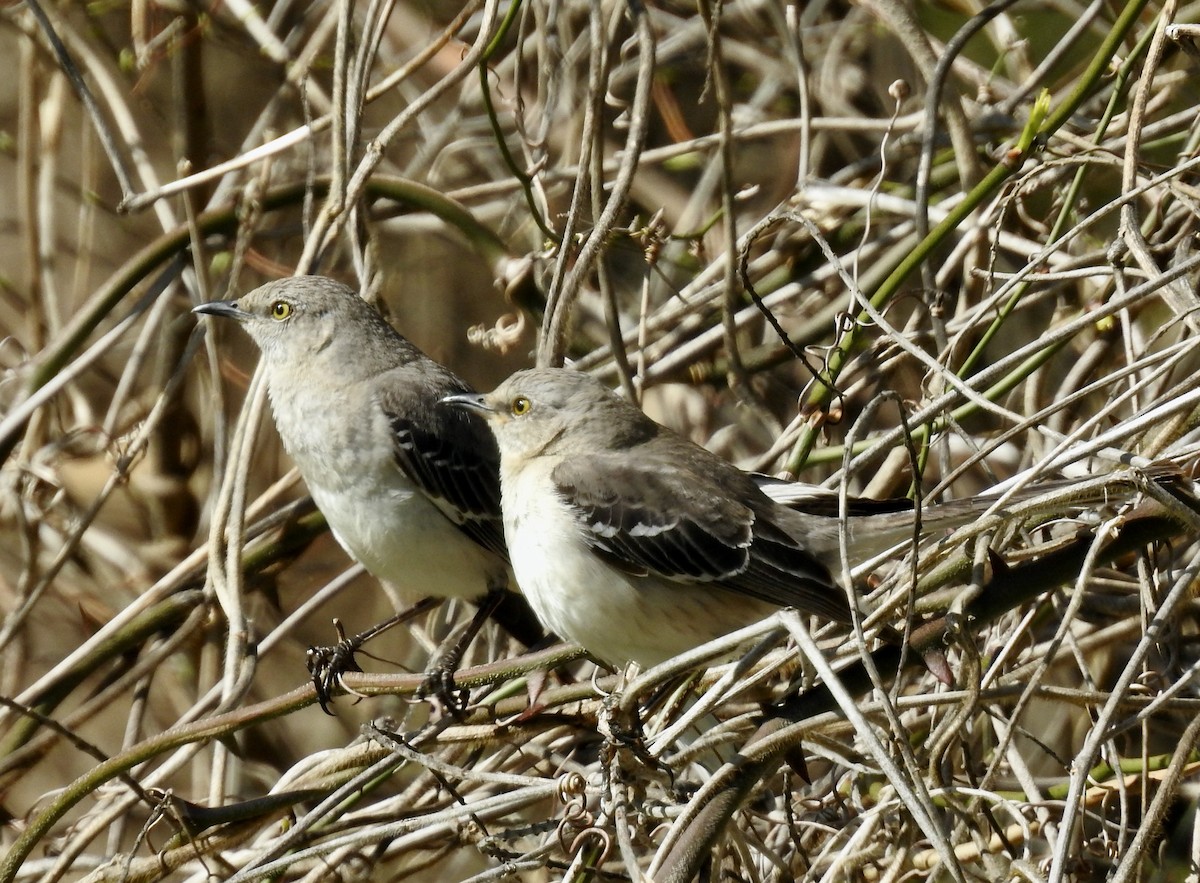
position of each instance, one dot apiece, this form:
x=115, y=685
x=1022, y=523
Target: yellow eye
x=520, y=406
x=281, y=309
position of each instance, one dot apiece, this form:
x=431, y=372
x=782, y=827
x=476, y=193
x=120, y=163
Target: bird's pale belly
x=402, y=538
x=616, y=617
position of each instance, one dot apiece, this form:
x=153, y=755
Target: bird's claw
x=327, y=663
x=439, y=685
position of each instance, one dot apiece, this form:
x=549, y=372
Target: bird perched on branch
x=638, y=544
x=409, y=488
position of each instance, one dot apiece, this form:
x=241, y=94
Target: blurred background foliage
x=778, y=226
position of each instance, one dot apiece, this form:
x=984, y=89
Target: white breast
x=617, y=617
x=402, y=538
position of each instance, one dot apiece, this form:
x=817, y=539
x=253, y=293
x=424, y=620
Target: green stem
x=1043, y=122
x=855, y=339
x=489, y=108
x=1069, y=202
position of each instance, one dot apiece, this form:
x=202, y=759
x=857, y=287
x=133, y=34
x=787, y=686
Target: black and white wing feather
x=655, y=518
x=447, y=453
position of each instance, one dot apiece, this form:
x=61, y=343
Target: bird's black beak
x=472, y=401
x=226, y=309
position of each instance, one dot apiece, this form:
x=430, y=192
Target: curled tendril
x=571, y=787
x=501, y=337
x=572, y=792
x=576, y=815
x=602, y=837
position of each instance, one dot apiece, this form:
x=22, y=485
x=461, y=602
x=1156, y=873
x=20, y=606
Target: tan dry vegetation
x=1017, y=279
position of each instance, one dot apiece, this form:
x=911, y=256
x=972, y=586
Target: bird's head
x=294, y=319
x=535, y=410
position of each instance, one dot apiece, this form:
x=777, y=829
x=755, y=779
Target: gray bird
x=638, y=544
x=409, y=488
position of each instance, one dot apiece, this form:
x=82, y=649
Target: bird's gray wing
x=448, y=453
x=686, y=525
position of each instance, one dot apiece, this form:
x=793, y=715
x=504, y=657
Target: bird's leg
x=622, y=730
x=327, y=664
x=439, y=674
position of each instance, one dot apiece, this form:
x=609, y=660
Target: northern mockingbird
x=409, y=488
x=638, y=544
